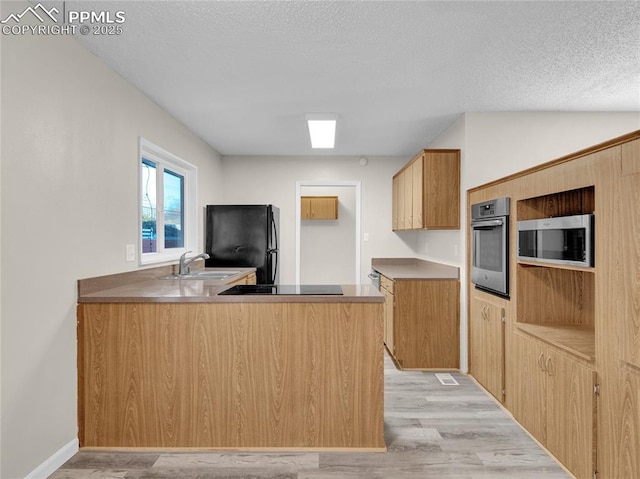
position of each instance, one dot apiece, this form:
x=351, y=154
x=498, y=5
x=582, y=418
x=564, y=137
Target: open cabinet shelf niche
x=557, y=303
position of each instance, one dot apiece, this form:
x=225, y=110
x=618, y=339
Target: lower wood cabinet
x=249, y=278
x=486, y=346
x=555, y=400
x=422, y=322
x=386, y=288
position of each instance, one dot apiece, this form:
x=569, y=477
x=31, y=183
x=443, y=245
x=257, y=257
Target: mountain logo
x=34, y=11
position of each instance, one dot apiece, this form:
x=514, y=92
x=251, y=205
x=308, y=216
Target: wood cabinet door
x=388, y=320
x=417, y=198
x=305, y=208
x=494, y=334
x=394, y=201
x=401, y=209
x=319, y=207
x=408, y=197
x=487, y=345
x=477, y=341
x=571, y=406
x=529, y=395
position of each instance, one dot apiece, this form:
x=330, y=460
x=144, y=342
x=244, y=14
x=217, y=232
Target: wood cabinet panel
x=628, y=243
x=427, y=191
x=395, y=199
x=389, y=306
x=417, y=194
x=426, y=324
x=529, y=394
x=442, y=189
x=487, y=345
x=408, y=197
x=319, y=207
x=232, y=375
x=401, y=202
x=571, y=407
x=555, y=402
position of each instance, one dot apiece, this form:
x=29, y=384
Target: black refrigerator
x=244, y=236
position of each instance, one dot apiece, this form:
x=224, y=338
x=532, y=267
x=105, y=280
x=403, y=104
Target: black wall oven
x=490, y=246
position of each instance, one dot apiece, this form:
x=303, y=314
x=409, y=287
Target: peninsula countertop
x=414, y=268
x=129, y=288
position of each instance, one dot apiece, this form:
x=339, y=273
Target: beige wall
x=328, y=247
x=273, y=180
x=70, y=129
x=498, y=144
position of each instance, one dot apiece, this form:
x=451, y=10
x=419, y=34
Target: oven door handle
x=486, y=224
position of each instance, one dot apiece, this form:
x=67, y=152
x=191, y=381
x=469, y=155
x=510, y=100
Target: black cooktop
x=291, y=289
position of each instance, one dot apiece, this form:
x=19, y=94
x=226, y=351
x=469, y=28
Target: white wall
x=495, y=145
x=70, y=128
x=273, y=180
x=327, y=247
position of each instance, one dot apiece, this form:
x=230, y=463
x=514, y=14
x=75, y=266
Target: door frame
x=328, y=183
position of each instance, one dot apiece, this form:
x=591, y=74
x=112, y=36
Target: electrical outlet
x=131, y=253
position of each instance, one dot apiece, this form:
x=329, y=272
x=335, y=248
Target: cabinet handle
x=541, y=362
x=548, y=366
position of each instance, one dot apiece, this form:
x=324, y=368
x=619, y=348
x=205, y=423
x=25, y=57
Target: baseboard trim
x=52, y=464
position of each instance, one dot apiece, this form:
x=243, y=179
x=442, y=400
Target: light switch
x=365, y=237
x=131, y=253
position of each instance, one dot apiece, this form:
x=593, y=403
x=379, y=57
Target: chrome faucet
x=185, y=267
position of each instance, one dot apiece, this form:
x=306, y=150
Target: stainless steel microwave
x=564, y=240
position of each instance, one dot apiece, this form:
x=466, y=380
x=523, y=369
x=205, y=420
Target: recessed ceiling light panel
x=322, y=129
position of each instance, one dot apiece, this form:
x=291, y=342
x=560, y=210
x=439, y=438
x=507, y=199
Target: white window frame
x=165, y=159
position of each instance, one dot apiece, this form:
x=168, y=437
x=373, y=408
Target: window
x=167, y=205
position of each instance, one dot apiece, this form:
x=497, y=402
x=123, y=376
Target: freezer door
x=237, y=235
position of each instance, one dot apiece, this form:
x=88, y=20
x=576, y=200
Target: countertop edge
x=415, y=269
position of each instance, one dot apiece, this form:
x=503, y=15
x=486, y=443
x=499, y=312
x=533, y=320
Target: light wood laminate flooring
x=431, y=431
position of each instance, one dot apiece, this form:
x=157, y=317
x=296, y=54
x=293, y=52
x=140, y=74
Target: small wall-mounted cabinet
x=319, y=207
x=426, y=192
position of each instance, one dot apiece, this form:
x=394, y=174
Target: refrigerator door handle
x=275, y=231
x=275, y=270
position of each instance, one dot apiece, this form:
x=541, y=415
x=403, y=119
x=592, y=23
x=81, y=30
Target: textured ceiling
x=242, y=75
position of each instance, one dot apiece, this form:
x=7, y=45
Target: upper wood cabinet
x=319, y=207
x=426, y=192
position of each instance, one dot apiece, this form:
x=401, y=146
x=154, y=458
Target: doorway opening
x=328, y=251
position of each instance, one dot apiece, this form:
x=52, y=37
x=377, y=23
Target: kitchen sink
x=216, y=275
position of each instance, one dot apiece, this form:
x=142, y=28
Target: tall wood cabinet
x=572, y=334
x=556, y=402
x=426, y=192
x=486, y=348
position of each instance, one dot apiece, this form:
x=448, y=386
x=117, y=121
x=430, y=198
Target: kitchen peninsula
x=169, y=363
